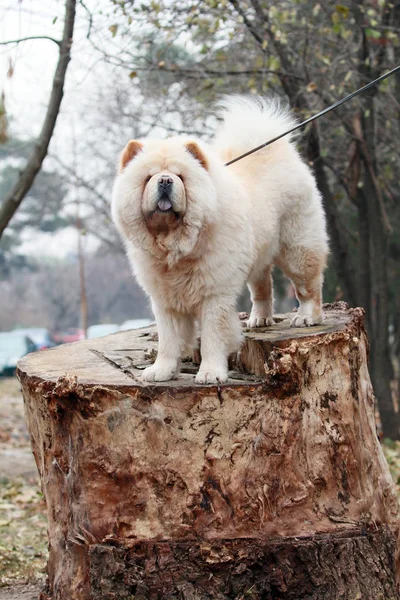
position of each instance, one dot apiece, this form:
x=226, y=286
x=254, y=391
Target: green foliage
x=391, y=449
x=42, y=208
x=44, y=201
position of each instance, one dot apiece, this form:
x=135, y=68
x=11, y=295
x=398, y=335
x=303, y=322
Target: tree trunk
x=271, y=486
x=370, y=66
x=342, y=259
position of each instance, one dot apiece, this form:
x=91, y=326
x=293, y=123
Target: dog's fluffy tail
x=249, y=121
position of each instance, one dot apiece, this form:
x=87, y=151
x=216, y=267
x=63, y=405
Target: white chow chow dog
x=196, y=231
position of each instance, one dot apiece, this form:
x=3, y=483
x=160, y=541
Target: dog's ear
x=129, y=152
x=197, y=153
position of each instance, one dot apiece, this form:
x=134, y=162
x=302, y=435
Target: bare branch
x=12, y=201
x=194, y=73
x=90, y=15
x=201, y=71
x=80, y=181
x=31, y=37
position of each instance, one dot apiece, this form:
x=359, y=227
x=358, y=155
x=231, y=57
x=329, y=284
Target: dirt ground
x=23, y=539
x=27, y=591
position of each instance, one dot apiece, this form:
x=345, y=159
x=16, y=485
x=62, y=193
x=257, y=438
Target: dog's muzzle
x=164, y=192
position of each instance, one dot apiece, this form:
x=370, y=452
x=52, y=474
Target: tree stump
x=271, y=486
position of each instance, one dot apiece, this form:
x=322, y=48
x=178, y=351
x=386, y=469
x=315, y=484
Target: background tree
x=43, y=209
x=15, y=196
x=47, y=294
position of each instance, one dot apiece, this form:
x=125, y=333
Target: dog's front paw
x=260, y=321
x=211, y=374
x=162, y=370
x=305, y=320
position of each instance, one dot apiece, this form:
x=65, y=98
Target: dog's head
x=163, y=194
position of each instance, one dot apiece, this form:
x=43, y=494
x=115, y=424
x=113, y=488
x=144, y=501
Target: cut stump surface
x=270, y=486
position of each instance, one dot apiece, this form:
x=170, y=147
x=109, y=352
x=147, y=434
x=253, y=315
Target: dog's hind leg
x=304, y=267
x=261, y=293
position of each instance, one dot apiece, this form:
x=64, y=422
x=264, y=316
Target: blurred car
x=95, y=331
x=136, y=324
x=13, y=346
x=40, y=336
x=72, y=334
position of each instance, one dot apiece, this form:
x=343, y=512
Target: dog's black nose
x=165, y=183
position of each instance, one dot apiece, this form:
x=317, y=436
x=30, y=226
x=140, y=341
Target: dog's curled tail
x=249, y=121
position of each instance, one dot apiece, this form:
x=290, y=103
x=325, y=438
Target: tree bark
x=341, y=254
x=11, y=203
x=273, y=485
x=374, y=212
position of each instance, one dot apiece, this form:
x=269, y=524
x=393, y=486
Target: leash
x=317, y=116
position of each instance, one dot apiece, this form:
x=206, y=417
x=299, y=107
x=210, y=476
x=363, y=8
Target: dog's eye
x=180, y=177
x=148, y=178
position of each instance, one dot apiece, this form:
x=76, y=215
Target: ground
x=23, y=541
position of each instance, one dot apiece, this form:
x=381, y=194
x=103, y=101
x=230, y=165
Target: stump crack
x=114, y=364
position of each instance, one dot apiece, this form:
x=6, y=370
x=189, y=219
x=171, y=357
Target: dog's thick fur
x=197, y=231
